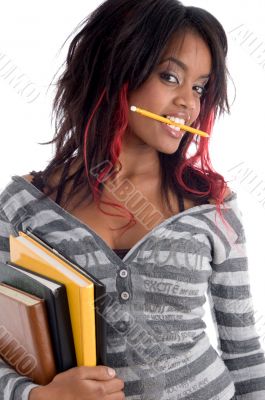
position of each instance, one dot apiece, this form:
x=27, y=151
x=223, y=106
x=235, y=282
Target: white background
x=31, y=35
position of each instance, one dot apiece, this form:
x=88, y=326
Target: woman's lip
x=172, y=131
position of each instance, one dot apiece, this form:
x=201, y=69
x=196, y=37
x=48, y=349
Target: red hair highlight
x=121, y=123
x=206, y=170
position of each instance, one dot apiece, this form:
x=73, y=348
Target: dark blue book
x=55, y=296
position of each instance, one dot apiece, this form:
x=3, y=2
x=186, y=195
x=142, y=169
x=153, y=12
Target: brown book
x=25, y=341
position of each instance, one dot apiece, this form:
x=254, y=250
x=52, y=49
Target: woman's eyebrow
x=182, y=65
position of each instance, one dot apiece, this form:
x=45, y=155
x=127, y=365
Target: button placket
x=123, y=282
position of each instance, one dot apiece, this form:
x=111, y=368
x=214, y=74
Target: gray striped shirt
x=156, y=337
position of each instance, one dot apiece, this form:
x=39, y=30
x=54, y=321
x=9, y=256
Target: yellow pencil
x=168, y=121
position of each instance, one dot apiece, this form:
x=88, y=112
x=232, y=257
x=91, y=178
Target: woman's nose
x=185, y=97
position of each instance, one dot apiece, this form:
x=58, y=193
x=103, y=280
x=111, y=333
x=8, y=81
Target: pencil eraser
x=133, y=108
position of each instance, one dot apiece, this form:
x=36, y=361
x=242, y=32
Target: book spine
x=41, y=343
x=88, y=334
x=64, y=337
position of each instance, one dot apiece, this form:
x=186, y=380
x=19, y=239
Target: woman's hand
x=82, y=383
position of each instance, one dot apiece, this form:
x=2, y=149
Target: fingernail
x=111, y=372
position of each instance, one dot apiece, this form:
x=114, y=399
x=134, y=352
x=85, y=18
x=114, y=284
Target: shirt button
x=123, y=273
x=125, y=295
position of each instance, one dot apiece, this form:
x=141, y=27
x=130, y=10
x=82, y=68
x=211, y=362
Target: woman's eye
x=166, y=76
x=200, y=90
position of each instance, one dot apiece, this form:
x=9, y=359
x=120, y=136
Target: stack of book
x=51, y=311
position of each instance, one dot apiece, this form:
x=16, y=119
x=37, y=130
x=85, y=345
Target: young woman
x=124, y=198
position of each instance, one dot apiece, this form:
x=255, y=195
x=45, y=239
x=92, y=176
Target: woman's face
x=173, y=89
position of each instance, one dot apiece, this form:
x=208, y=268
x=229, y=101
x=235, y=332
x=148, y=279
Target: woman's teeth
x=175, y=119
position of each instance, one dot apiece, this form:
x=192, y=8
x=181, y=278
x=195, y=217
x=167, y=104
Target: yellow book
x=27, y=253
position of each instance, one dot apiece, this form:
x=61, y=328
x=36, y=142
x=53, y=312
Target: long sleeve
x=232, y=309
x=12, y=385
